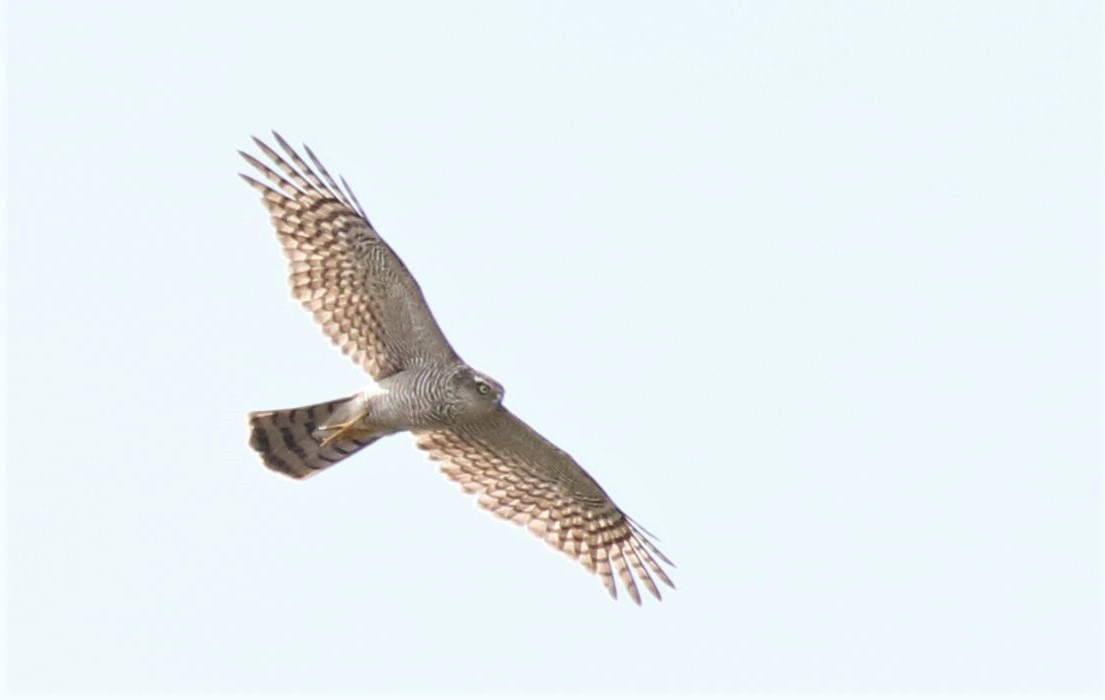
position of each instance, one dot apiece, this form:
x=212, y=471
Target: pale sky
x=814, y=290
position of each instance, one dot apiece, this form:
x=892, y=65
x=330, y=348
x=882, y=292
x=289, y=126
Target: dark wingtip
x=280, y=140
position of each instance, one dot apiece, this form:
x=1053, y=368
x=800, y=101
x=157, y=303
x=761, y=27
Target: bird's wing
x=356, y=287
x=524, y=478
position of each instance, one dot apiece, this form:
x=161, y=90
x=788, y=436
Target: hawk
x=370, y=306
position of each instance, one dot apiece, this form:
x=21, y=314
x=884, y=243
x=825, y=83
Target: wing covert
x=342, y=271
x=521, y=477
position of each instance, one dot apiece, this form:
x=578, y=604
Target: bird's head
x=474, y=394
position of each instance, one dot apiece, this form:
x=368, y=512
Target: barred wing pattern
x=521, y=477
x=356, y=287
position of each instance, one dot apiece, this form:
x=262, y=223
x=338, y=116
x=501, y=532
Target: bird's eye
x=483, y=388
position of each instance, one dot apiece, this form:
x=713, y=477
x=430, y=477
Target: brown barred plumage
x=369, y=305
x=291, y=441
x=521, y=477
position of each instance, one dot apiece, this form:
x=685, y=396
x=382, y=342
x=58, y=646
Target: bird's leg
x=349, y=420
x=339, y=430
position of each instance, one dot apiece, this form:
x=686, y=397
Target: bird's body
x=366, y=300
x=428, y=398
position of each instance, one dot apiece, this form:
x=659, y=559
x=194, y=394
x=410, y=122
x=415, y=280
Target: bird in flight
x=371, y=307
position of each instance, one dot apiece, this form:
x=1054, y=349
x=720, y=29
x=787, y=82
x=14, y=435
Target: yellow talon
x=339, y=430
x=334, y=436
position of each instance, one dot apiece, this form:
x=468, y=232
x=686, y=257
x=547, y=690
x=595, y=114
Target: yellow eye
x=483, y=388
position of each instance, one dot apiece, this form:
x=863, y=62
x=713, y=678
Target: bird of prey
x=370, y=306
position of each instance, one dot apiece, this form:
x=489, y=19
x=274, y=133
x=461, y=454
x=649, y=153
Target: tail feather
x=291, y=441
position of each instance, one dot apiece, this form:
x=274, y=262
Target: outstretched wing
x=522, y=477
x=356, y=287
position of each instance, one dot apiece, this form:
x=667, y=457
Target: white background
x=813, y=290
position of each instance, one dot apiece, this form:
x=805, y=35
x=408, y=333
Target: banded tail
x=302, y=441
